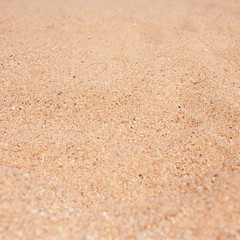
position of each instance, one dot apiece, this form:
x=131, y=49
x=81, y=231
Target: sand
x=120, y=119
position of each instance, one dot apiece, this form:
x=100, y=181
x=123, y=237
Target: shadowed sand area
x=120, y=119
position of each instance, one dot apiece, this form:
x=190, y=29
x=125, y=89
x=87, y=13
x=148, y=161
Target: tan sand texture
x=120, y=119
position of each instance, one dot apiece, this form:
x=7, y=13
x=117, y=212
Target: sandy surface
x=119, y=119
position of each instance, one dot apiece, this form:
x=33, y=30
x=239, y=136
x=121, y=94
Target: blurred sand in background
x=120, y=119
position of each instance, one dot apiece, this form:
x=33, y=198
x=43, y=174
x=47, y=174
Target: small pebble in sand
x=194, y=80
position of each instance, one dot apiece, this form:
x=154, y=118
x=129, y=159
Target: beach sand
x=120, y=119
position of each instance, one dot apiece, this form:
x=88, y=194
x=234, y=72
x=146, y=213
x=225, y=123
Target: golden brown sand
x=120, y=119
